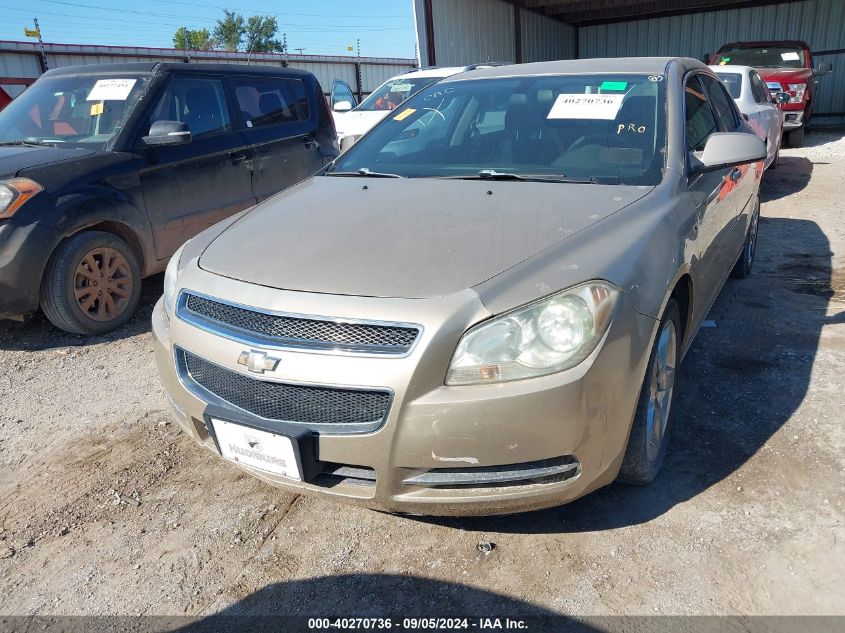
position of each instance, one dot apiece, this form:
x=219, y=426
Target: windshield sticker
x=96, y=108
x=613, y=85
x=655, y=77
x=580, y=106
x=404, y=114
x=791, y=56
x=630, y=127
x=111, y=90
x=406, y=87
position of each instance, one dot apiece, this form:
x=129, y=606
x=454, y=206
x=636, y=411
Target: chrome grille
x=337, y=410
x=297, y=331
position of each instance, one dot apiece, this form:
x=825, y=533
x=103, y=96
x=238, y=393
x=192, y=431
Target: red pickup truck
x=785, y=66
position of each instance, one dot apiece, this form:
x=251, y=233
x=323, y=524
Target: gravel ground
x=105, y=508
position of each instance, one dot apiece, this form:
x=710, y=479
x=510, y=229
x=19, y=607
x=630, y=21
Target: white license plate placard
x=259, y=449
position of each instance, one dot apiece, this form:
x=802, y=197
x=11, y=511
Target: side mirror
x=823, y=68
x=168, y=133
x=782, y=97
x=726, y=149
x=342, y=106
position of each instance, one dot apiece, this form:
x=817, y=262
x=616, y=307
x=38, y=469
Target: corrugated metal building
x=21, y=63
x=455, y=32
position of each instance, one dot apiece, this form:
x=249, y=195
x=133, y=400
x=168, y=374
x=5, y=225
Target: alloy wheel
x=660, y=389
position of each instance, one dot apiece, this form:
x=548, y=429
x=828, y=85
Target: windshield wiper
x=363, y=172
x=23, y=143
x=492, y=174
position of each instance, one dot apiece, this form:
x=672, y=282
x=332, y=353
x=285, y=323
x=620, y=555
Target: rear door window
x=267, y=101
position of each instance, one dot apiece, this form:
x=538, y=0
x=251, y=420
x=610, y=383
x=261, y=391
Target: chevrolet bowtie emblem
x=257, y=362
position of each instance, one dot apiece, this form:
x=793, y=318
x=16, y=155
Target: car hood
x=786, y=75
x=15, y=158
x=357, y=123
x=410, y=238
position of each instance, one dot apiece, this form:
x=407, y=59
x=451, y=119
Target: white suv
x=352, y=122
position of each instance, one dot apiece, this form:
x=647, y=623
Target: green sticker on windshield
x=613, y=85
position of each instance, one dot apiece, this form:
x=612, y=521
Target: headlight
x=14, y=192
x=798, y=89
x=171, y=277
x=544, y=337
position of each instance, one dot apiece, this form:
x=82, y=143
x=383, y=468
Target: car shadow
x=37, y=333
x=739, y=384
x=792, y=175
x=375, y=596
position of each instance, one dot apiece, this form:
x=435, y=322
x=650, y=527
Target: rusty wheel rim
x=102, y=284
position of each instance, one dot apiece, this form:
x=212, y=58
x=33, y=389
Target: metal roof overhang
x=585, y=12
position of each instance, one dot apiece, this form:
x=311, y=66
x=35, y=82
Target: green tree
x=229, y=32
x=260, y=35
x=196, y=40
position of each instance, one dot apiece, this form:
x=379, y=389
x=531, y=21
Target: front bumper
x=793, y=119
x=24, y=250
x=434, y=437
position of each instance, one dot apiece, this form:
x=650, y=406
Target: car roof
x=757, y=44
x=732, y=68
x=435, y=71
x=182, y=67
x=638, y=65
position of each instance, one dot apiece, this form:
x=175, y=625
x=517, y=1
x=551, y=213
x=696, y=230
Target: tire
x=742, y=268
x=796, y=137
x=774, y=163
x=648, y=441
x=77, y=280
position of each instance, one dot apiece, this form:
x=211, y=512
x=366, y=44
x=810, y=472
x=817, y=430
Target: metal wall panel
x=472, y=31
x=546, y=39
x=820, y=23
x=19, y=65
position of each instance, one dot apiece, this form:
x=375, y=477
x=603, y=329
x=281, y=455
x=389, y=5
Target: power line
x=215, y=20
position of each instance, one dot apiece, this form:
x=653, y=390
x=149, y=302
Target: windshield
x=733, y=82
x=607, y=128
x=763, y=57
x=72, y=110
x=392, y=93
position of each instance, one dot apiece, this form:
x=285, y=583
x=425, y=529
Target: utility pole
x=300, y=49
x=41, y=46
x=285, y=49
x=359, y=87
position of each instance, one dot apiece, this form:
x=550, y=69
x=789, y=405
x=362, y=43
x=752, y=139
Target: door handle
x=237, y=158
x=310, y=143
x=736, y=174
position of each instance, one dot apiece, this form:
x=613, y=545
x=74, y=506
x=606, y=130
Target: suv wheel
x=92, y=284
x=651, y=429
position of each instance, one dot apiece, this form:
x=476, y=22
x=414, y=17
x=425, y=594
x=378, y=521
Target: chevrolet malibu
x=481, y=307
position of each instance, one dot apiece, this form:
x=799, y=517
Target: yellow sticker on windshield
x=404, y=114
x=96, y=108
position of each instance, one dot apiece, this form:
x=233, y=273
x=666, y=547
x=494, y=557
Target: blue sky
x=326, y=27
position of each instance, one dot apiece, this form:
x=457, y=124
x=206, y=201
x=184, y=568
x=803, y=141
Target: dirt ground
x=105, y=508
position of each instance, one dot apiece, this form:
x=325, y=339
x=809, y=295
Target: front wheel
x=92, y=284
x=650, y=432
x=774, y=163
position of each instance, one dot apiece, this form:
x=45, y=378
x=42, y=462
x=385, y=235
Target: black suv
x=105, y=170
